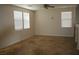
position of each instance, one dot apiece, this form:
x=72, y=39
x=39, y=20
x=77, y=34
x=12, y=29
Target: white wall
x=48, y=22
x=44, y=24
x=8, y=35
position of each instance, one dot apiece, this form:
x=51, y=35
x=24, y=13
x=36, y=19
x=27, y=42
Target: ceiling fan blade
x=46, y=6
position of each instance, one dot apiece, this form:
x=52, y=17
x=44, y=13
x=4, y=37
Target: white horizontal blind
x=21, y=20
x=18, y=20
x=26, y=20
x=66, y=19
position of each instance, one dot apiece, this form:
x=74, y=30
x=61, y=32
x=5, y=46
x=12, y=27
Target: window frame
x=22, y=20
x=29, y=20
x=69, y=19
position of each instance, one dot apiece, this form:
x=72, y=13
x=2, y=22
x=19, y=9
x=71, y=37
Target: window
x=26, y=20
x=18, y=20
x=66, y=19
x=21, y=20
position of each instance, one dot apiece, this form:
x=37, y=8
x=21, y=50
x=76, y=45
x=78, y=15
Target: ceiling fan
x=48, y=5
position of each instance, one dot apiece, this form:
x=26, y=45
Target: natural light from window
x=66, y=19
x=21, y=20
x=26, y=20
x=18, y=20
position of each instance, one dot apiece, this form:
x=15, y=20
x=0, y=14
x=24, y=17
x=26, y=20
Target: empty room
x=39, y=29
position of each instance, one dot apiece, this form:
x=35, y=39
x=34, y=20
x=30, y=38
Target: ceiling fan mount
x=47, y=6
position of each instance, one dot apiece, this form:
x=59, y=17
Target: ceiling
x=30, y=6
x=41, y=6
